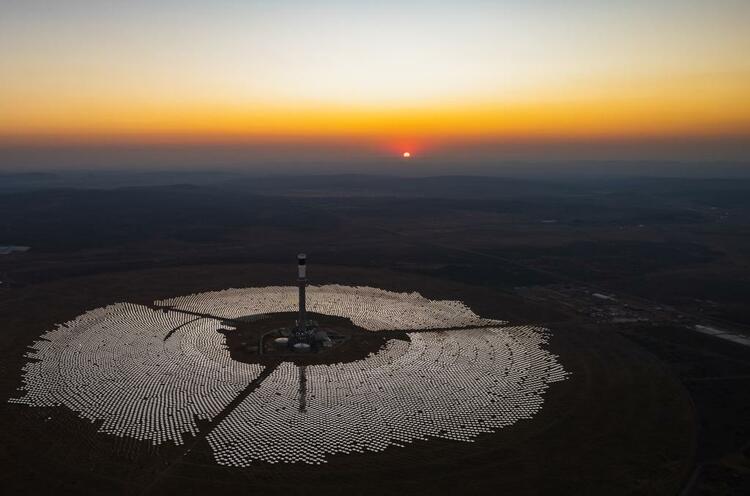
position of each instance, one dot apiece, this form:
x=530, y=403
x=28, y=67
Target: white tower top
x=301, y=265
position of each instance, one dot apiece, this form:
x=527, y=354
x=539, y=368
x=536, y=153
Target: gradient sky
x=378, y=77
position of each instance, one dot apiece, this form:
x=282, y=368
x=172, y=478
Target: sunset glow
x=442, y=73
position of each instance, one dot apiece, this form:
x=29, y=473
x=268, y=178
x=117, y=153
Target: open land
x=622, y=272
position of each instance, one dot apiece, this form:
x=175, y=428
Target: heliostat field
x=155, y=372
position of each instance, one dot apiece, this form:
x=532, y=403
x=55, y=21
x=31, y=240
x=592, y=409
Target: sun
x=406, y=154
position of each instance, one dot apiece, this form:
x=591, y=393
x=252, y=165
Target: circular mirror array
x=151, y=372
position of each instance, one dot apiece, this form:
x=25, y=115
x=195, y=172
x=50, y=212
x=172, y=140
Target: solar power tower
x=302, y=282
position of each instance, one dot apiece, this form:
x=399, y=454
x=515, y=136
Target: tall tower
x=302, y=282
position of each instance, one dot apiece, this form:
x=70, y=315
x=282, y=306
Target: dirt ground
x=244, y=340
x=622, y=423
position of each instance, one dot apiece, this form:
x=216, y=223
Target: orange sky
x=418, y=74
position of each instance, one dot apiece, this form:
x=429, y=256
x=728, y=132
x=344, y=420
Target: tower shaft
x=302, y=282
